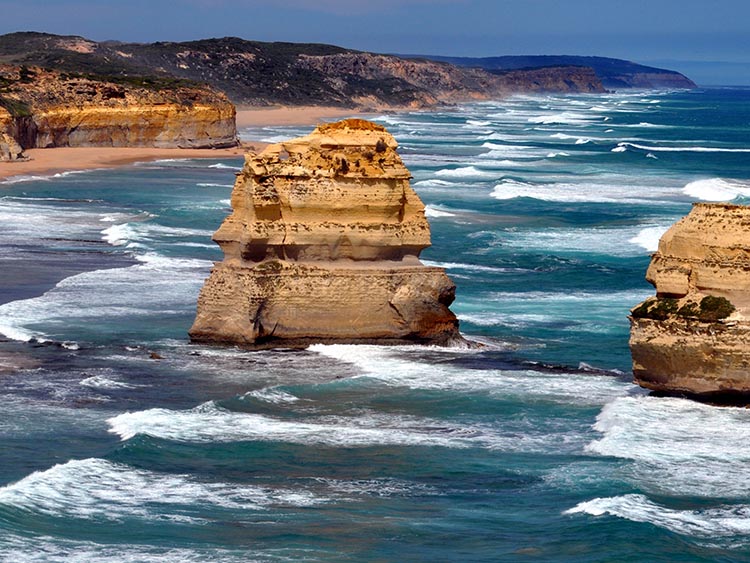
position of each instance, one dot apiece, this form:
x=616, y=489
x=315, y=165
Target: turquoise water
x=537, y=448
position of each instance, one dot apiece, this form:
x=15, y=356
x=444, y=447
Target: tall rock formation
x=694, y=337
x=322, y=246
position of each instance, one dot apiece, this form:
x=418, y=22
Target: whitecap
x=717, y=189
x=678, y=447
x=103, y=382
x=469, y=267
x=565, y=118
x=649, y=237
x=98, y=489
x=435, y=212
x=683, y=149
x=708, y=523
x=465, y=172
x=272, y=395
x=394, y=367
x=213, y=185
x=223, y=166
x=210, y=424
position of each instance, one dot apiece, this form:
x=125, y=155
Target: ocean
x=122, y=442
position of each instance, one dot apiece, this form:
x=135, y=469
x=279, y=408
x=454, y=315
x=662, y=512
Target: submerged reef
x=693, y=338
x=323, y=246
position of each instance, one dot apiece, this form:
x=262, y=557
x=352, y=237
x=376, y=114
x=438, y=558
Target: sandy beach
x=301, y=115
x=52, y=161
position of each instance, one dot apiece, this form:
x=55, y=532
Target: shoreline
x=47, y=162
x=299, y=115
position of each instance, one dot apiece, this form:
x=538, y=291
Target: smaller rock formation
x=694, y=336
x=322, y=246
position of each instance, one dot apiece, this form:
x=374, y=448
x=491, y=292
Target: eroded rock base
x=279, y=303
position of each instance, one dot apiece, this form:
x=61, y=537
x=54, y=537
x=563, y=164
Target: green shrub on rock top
x=715, y=308
x=710, y=309
x=657, y=309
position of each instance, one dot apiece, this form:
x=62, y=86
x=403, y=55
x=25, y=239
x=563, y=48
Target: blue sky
x=685, y=34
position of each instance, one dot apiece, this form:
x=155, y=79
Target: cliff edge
x=323, y=246
x=42, y=109
x=694, y=336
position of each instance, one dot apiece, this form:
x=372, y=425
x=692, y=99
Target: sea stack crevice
x=693, y=338
x=323, y=245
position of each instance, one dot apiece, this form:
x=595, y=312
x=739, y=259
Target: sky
x=707, y=39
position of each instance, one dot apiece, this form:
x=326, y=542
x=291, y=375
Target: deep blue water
x=536, y=448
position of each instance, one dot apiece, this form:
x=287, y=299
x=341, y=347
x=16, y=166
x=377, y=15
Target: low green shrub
x=714, y=308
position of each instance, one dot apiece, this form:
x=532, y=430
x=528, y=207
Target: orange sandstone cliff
x=694, y=336
x=43, y=109
x=323, y=246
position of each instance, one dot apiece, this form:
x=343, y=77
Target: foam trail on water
x=392, y=366
x=98, y=489
x=209, y=423
x=702, y=523
x=683, y=149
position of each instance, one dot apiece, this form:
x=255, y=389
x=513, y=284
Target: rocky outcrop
x=694, y=336
x=612, y=73
x=50, y=109
x=10, y=150
x=322, y=246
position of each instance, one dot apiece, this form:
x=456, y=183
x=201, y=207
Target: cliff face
x=694, y=337
x=613, y=73
x=40, y=108
x=322, y=246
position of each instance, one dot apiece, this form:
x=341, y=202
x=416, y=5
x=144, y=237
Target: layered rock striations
x=322, y=246
x=694, y=336
x=42, y=109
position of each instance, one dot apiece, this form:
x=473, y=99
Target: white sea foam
x=717, y=189
x=272, y=395
x=435, y=212
x=49, y=549
x=103, y=382
x=209, y=423
x=678, y=447
x=682, y=149
x=649, y=237
x=469, y=267
x=565, y=118
x=102, y=490
x=394, y=367
x=466, y=172
x=213, y=185
x=613, y=191
x=166, y=287
x=223, y=166
x=707, y=523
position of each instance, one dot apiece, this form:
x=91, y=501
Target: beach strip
x=45, y=162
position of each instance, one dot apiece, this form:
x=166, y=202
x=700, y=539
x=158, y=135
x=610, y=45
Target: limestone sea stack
x=694, y=336
x=323, y=245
